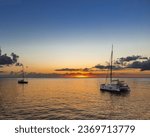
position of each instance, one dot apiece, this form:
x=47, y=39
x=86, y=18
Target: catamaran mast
x=23, y=72
x=111, y=62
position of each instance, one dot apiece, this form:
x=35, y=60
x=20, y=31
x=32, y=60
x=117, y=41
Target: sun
x=81, y=76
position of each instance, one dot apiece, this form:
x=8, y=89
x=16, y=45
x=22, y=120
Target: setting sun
x=81, y=76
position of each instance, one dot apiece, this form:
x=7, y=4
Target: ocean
x=73, y=99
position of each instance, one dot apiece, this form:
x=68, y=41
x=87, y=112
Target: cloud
x=67, y=69
x=86, y=69
x=14, y=57
x=125, y=60
x=8, y=60
x=99, y=66
x=137, y=62
x=133, y=61
x=74, y=69
x=92, y=69
x=130, y=58
x=19, y=64
x=144, y=65
x=145, y=58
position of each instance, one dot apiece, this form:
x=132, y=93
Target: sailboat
x=114, y=84
x=23, y=81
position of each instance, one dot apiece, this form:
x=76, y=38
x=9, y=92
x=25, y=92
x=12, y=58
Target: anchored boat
x=114, y=85
x=23, y=81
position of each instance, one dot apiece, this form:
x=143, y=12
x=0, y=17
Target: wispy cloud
x=73, y=69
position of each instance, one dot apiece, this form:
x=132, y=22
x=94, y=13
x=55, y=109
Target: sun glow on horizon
x=81, y=76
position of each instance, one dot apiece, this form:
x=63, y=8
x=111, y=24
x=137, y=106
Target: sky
x=52, y=34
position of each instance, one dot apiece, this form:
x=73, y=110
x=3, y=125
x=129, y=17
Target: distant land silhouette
x=145, y=74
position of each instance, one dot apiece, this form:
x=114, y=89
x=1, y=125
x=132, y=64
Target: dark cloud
x=86, y=69
x=8, y=60
x=74, y=69
x=42, y=75
x=145, y=58
x=14, y=57
x=99, y=66
x=144, y=65
x=67, y=69
x=130, y=58
x=5, y=60
x=19, y=64
x=125, y=60
x=138, y=62
x=134, y=61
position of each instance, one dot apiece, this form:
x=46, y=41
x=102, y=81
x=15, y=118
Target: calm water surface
x=73, y=99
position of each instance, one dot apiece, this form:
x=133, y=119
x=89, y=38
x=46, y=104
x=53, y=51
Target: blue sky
x=74, y=33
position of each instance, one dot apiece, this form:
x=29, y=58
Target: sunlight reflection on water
x=73, y=98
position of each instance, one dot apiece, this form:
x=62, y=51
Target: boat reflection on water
x=116, y=93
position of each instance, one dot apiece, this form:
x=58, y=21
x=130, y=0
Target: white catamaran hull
x=111, y=87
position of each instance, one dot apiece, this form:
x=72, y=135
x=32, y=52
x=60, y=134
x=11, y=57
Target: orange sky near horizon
x=78, y=74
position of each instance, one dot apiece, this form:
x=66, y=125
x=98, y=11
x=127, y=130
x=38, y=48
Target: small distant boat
x=23, y=81
x=114, y=85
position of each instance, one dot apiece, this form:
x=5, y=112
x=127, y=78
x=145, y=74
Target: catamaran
x=23, y=81
x=114, y=84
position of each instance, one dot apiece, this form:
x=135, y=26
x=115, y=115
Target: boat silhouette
x=23, y=81
x=114, y=84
